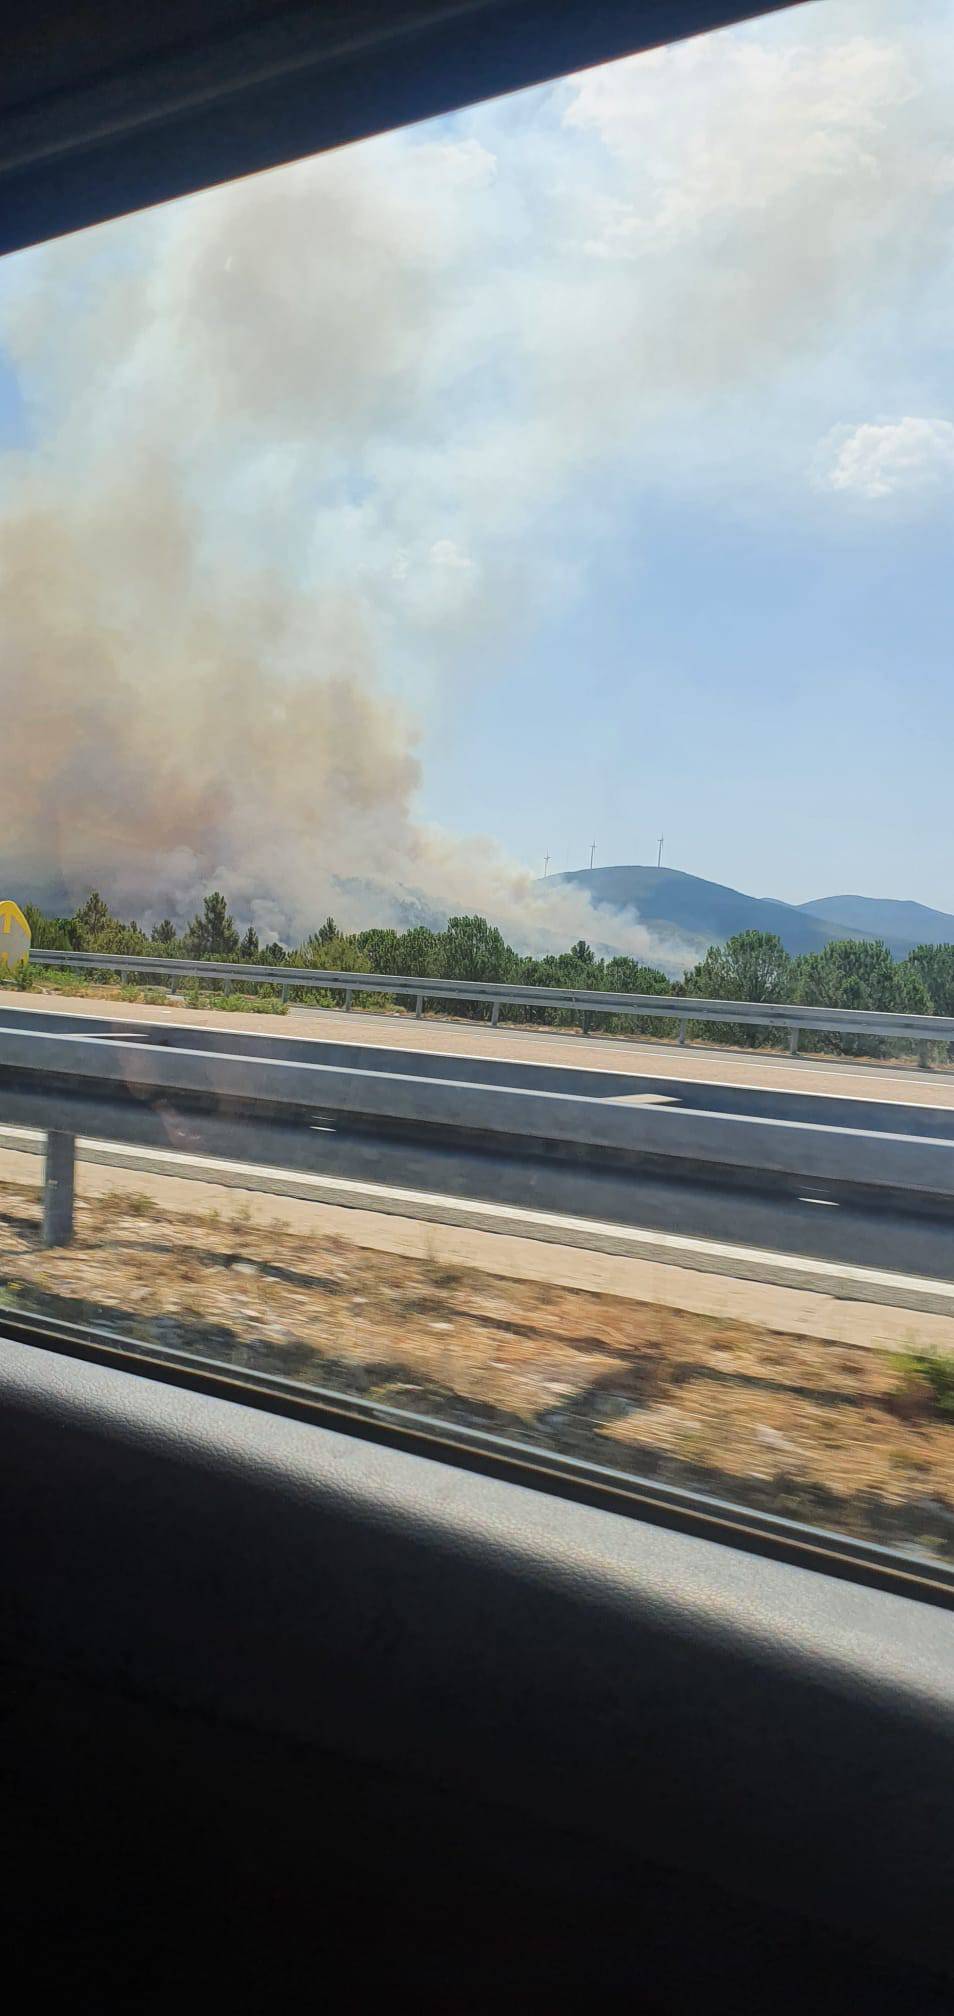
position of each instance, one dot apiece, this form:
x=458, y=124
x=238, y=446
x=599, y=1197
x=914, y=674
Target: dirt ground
x=844, y=1437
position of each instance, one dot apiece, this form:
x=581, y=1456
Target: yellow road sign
x=14, y=933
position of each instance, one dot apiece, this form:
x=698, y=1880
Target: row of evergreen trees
x=753, y=966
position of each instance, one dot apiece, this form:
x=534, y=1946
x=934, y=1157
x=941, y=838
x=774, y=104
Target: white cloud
x=437, y=586
x=894, y=458
x=722, y=127
x=753, y=203
x=444, y=553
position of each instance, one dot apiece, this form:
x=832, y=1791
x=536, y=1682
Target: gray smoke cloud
x=168, y=742
x=290, y=450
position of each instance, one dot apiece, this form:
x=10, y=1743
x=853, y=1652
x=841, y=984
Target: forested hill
x=899, y=924
x=678, y=905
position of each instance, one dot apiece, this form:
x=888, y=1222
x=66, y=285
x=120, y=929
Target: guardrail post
x=793, y=1036
x=283, y=992
x=348, y=994
x=495, y=1015
x=924, y=1056
x=683, y=1030
x=419, y=1007
x=585, y=1023
x=58, y=1180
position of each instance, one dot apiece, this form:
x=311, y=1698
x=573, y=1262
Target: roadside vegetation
x=753, y=966
x=849, y=1437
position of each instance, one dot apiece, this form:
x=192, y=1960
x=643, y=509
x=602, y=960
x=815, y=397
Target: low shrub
x=926, y=1384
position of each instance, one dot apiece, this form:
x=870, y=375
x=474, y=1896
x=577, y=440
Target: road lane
x=815, y=1102
x=913, y=1236
x=695, y=1064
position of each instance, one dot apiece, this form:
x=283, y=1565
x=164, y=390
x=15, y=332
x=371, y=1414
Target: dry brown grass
x=830, y=1431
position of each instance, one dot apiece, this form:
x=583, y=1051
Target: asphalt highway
x=822, y=1220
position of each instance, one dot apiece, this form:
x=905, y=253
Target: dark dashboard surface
x=547, y=1681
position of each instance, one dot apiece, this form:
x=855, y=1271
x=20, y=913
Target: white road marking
x=647, y=1099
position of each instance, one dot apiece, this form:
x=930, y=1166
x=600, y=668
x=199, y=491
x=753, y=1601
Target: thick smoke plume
x=168, y=741
x=196, y=676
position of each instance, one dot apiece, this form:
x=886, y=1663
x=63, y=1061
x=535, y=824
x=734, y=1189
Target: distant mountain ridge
x=885, y=917
x=674, y=903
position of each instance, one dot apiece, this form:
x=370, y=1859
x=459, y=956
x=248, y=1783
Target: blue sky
x=13, y=426
x=578, y=468
x=781, y=708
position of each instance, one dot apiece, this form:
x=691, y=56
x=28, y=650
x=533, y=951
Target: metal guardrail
x=790, y=1018
x=247, y=1107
